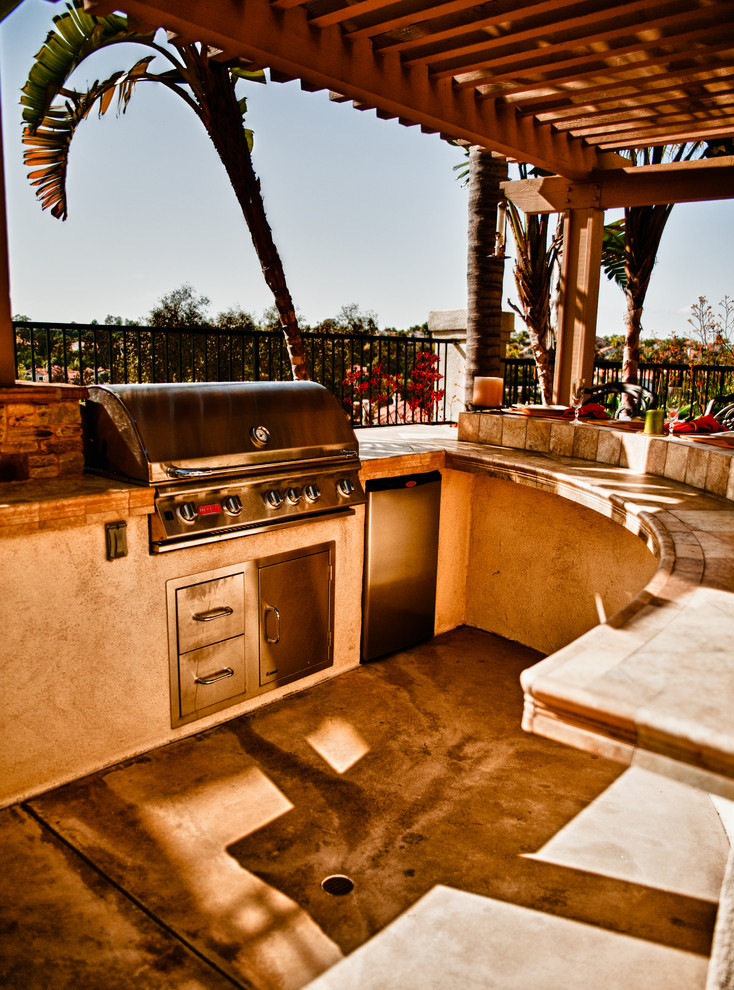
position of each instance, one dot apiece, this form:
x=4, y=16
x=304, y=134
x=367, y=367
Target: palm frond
x=242, y=69
x=7, y=7
x=612, y=252
x=76, y=36
x=463, y=167
x=49, y=143
x=126, y=84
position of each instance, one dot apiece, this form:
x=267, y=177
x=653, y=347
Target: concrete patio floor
x=480, y=856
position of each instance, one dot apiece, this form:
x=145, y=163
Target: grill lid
x=155, y=433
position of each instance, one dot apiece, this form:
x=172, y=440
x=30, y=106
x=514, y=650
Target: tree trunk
x=227, y=134
x=632, y=326
x=534, y=266
x=643, y=231
x=485, y=272
x=545, y=372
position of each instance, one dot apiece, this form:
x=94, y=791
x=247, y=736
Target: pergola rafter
x=289, y=41
x=515, y=77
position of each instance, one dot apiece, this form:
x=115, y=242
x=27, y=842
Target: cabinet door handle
x=213, y=613
x=273, y=609
x=213, y=678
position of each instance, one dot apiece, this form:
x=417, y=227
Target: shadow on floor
x=403, y=774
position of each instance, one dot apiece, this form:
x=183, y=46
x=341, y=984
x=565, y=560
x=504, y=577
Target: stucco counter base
x=651, y=686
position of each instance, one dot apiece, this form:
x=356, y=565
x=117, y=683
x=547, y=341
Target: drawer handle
x=213, y=613
x=213, y=678
x=276, y=613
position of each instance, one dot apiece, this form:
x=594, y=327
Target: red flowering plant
x=380, y=396
x=371, y=388
x=421, y=393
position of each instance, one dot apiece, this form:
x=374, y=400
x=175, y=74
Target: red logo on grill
x=208, y=510
x=410, y=484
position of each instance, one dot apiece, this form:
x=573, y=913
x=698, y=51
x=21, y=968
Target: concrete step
x=454, y=940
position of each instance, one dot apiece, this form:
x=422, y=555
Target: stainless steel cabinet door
x=295, y=616
x=401, y=557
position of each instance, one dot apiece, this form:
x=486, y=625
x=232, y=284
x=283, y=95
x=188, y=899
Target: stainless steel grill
x=225, y=458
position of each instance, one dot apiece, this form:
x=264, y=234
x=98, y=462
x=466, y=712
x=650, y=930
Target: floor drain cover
x=338, y=885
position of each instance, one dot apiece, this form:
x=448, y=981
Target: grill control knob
x=273, y=498
x=232, y=505
x=312, y=492
x=187, y=511
x=293, y=495
x=345, y=487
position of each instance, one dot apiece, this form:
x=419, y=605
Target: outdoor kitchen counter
x=57, y=503
x=653, y=685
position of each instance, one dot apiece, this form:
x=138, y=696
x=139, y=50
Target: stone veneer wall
x=40, y=431
x=702, y=466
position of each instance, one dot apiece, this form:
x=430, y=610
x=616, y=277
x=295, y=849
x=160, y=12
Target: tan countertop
x=59, y=503
x=654, y=684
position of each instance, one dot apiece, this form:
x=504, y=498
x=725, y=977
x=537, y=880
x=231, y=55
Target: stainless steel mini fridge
x=401, y=558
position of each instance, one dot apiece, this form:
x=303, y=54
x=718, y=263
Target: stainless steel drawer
x=218, y=656
x=210, y=612
x=211, y=675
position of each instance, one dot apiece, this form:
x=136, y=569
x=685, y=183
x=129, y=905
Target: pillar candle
x=488, y=392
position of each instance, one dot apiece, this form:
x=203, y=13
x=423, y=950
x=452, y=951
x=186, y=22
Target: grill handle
x=213, y=613
x=179, y=472
x=276, y=613
x=213, y=678
x=173, y=471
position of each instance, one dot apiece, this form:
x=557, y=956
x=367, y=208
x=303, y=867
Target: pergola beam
x=530, y=95
x=583, y=235
x=640, y=185
x=538, y=60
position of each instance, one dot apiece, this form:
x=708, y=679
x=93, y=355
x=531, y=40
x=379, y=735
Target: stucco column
x=7, y=352
x=583, y=232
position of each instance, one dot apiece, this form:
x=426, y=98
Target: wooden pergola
x=562, y=84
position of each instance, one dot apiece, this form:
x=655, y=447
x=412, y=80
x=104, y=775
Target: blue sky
x=363, y=211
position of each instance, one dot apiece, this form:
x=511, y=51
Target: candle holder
x=488, y=393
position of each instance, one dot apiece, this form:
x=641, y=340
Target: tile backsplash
x=706, y=467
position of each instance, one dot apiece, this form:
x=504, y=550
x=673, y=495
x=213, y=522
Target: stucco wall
x=542, y=570
x=453, y=549
x=85, y=650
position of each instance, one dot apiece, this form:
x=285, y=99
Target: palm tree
x=52, y=113
x=7, y=7
x=485, y=270
x=536, y=257
x=637, y=239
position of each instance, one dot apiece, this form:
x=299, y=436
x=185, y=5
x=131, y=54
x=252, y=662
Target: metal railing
x=700, y=382
x=381, y=379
